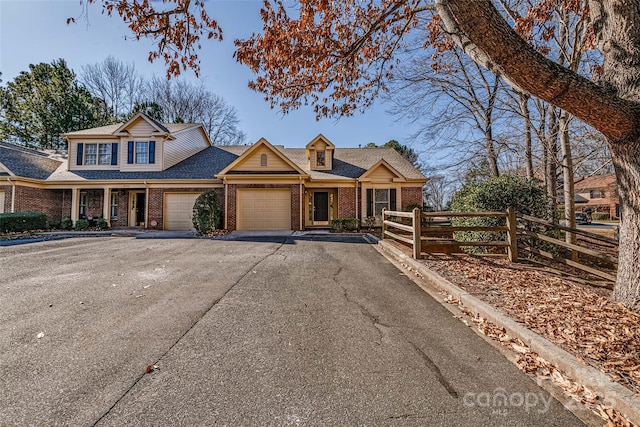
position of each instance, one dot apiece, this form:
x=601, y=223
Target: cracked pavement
x=278, y=331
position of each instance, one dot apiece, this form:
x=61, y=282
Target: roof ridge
x=26, y=150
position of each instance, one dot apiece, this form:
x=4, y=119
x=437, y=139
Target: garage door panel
x=264, y=209
x=179, y=210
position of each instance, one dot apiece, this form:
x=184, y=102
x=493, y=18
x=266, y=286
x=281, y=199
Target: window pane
x=90, y=154
x=380, y=206
x=320, y=158
x=142, y=152
x=114, y=205
x=382, y=195
x=104, y=151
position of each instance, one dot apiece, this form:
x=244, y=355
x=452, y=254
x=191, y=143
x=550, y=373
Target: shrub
x=22, y=221
x=600, y=216
x=66, y=223
x=497, y=194
x=53, y=225
x=82, y=224
x=207, y=215
x=102, y=224
x=345, y=224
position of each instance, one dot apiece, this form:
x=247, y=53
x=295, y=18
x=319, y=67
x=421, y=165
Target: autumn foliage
x=176, y=30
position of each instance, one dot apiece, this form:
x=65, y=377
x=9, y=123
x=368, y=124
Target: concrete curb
x=614, y=394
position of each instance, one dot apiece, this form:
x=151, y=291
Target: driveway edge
x=614, y=394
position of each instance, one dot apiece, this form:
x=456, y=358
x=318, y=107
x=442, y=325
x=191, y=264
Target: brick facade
x=347, y=202
x=232, y=202
x=411, y=196
x=30, y=199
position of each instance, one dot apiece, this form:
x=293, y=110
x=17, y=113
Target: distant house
x=147, y=174
x=598, y=193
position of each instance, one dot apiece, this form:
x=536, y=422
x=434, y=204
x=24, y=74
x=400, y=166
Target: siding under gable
x=186, y=144
x=382, y=174
x=253, y=162
x=141, y=127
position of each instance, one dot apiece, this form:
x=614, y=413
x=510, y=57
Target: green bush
x=102, y=224
x=345, y=224
x=207, y=215
x=82, y=224
x=600, y=216
x=53, y=225
x=66, y=223
x=497, y=194
x=22, y=221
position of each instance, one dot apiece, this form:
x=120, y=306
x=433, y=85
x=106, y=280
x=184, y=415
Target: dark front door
x=320, y=206
x=140, y=203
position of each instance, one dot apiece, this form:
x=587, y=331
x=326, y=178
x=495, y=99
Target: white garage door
x=179, y=210
x=264, y=209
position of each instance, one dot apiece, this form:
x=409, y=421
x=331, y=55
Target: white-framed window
x=380, y=198
x=91, y=154
x=97, y=154
x=114, y=206
x=142, y=152
x=82, y=204
x=104, y=154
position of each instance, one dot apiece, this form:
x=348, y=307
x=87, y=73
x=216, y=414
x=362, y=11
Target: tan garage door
x=179, y=210
x=264, y=209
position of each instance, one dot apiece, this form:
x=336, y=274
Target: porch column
x=75, y=192
x=106, y=206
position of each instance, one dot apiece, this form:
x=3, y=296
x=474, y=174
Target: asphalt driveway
x=282, y=331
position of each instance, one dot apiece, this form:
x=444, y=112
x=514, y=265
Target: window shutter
x=114, y=153
x=369, y=201
x=392, y=199
x=80, y=154
x=152, y=152
x=130, y=153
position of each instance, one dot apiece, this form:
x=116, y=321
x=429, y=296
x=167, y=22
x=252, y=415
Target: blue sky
x=36, y=31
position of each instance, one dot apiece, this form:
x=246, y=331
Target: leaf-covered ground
x=577, y=317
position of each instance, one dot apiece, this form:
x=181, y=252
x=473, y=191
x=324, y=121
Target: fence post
x=384, y=211
x=417, y=244
x=512, y=236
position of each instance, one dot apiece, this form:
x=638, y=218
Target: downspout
x=13, y=195
x=146, y=205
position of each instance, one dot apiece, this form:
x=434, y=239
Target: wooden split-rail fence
x=432, y=232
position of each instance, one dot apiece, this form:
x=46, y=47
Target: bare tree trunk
x=567, y=177
x=523, y=100
x=551, y=172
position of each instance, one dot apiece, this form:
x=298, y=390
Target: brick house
x=599, y=193
x=146, y=174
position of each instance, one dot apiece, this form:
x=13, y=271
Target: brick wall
x=411, y=196
x=29, y=199
x=232, y=202
x=347, y=201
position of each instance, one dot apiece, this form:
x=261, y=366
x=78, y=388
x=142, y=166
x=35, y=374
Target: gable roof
x=26, y=163
x=255, y=147
x=595, y=181
x=112, y=130
x=382, y=163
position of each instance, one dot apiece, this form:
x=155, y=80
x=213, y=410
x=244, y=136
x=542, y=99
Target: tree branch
x=478, y=28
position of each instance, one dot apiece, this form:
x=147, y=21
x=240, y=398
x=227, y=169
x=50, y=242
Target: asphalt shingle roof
x=27, y=163
x=348, y=163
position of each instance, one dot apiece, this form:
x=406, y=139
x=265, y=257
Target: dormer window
x=97, y=154
x=320, y=158
x=263, y=160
